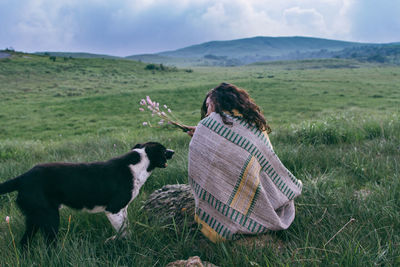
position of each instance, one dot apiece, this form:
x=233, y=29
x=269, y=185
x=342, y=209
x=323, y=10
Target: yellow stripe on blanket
x=247, y=189
x=210, y=233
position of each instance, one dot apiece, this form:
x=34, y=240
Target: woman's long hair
x=227, y=98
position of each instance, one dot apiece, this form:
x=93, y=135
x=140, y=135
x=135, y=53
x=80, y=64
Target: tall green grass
x=356, y=179
x=345, y=128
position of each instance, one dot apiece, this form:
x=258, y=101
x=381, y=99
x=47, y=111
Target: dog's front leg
x=120, y=223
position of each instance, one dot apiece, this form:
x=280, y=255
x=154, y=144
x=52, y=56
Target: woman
x=239, y=184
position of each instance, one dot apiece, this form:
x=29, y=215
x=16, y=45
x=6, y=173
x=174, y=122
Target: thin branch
x=322, y=217
x=338, y=232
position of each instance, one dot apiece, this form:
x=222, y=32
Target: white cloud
x=236, y=19
x=305, y=21
x=126, y=27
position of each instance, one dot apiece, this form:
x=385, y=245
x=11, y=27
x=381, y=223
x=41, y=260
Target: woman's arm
x=191, y=130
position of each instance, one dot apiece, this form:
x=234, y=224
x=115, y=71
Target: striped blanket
x=239, y=184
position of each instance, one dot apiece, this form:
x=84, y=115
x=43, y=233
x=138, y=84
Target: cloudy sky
x=127, y=27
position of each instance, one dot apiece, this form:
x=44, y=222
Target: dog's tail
x=9, y=186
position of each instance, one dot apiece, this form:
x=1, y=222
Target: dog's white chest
x=139, y=173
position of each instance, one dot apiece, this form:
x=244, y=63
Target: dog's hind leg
x=119, y=221
x=31, y=230
x=49, y=224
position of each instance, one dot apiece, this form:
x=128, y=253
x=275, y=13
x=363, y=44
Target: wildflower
x=12, y=238
x=149, y=101
x=162, y=111
x=65, y=237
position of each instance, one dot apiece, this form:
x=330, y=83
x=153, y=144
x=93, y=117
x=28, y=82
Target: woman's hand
x=191, y=130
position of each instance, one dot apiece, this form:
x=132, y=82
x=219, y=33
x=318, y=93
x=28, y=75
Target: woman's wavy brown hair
x=227, y=97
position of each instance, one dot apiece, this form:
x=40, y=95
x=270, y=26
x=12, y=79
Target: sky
x=129, y=27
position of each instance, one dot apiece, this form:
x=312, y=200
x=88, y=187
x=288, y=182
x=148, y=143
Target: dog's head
x=157, y=154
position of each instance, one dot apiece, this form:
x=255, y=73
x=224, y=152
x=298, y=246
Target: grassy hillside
x=170, y=61
x=249, y=50
x=335, y=126
x=74, y=55
x=259, y=49
x=260, y=46
x=266, y=49
x=384, y=54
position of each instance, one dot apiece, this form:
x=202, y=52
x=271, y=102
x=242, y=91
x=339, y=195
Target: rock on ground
x=172, y=204
x=191, y=262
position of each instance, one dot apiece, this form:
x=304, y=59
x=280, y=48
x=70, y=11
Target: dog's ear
x=169, y=153
x=137, y=146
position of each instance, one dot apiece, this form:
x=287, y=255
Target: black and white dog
x=95, y=187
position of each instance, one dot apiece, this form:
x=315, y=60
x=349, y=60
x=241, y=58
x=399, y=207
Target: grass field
x=336, y=126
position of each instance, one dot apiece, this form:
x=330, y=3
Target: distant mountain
x=261, y=46
x=250, y=50
x=74, y=55
x=260, y=49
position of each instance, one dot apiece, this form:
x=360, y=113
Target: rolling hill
x=259, y=46
x=249, y=50
x=74, y=55
x=265, y=49
x=261, y=49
